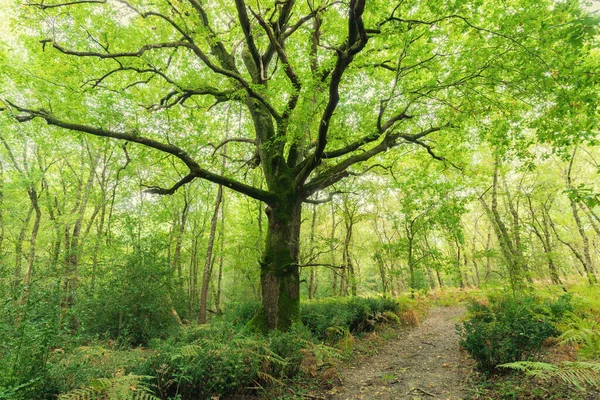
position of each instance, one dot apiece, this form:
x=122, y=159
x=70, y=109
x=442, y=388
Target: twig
x=422, y=391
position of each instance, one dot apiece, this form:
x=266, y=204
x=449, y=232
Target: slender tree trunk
x=208, y=262
x=332, y=252
x=474, y=258
x=312, y=276
x=33, y=197
x=179, y=237
x=2, y=231
x=430, y=277
x=411, y=267
x=221, y=258
x=511, y=252
x=71, y=281
x=19, y=248
x=349, y=223
x=488, y=258
x=193, y=287
x=439, y=278
x=461, y=281
x=541, y=230
x=587, y=257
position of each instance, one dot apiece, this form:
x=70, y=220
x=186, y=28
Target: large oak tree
x=323, y=88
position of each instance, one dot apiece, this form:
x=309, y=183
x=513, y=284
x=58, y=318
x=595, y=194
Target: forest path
x=422, y=363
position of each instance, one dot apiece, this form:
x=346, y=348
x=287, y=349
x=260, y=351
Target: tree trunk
x=19, y=249
x=510, y=247
x=461, y=280
x=542, y=231
x=587, y=257
x=348, y=258
x=312, y=276
x=411, y=266
x=221, y=258
x=1, y=211
x=32, y=247
x=208, y=261
x=279, y=268
x=71, y=279
x=179, y=236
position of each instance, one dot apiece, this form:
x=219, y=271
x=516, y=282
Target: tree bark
x=280, y=278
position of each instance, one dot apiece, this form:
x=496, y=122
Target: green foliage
x=26, y=346
x=506, y=330
x=123, y=387
x=131, y=303
x=239, y=313
x=289, y=346
x=356, y=314
x=575, y=374
x=218, y=365
x=80, y=367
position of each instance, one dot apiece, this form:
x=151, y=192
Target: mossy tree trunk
x=280, y=280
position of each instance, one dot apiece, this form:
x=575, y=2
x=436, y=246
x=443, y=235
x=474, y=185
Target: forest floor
x=424, y=362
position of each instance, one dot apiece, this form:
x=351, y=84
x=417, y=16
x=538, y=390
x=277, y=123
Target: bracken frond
x=121, y=387
x=577, y=374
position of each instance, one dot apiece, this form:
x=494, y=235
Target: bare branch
x=224, y=142
x=321, y=265
x=325, y=200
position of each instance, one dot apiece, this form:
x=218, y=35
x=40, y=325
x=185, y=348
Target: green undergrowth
x=220, y=359
x=506, y=329
x=506, y=337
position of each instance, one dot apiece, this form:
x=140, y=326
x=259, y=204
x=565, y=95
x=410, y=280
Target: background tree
x=326, y=88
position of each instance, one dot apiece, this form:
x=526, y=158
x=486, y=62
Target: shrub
x=211, y=367
x=132, y=303
x=506, y=330
x=86, y=366
x=355, y=314
x=240, y=313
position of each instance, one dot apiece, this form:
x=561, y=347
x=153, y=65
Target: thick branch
x=251, y=45
x=357, y=39
x=132, y=136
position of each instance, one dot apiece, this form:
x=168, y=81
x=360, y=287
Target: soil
x=421, y=363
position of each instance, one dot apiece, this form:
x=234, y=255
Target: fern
x=584, y=332
x=578, y=374
x=121, y=387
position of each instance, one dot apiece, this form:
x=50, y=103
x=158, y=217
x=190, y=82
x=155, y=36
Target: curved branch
x=356, y=41
x=244, y=21
x=137, y=53
x=196, y=171
x=43, y=6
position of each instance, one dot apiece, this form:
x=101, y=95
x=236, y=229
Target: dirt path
x=423, y=363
